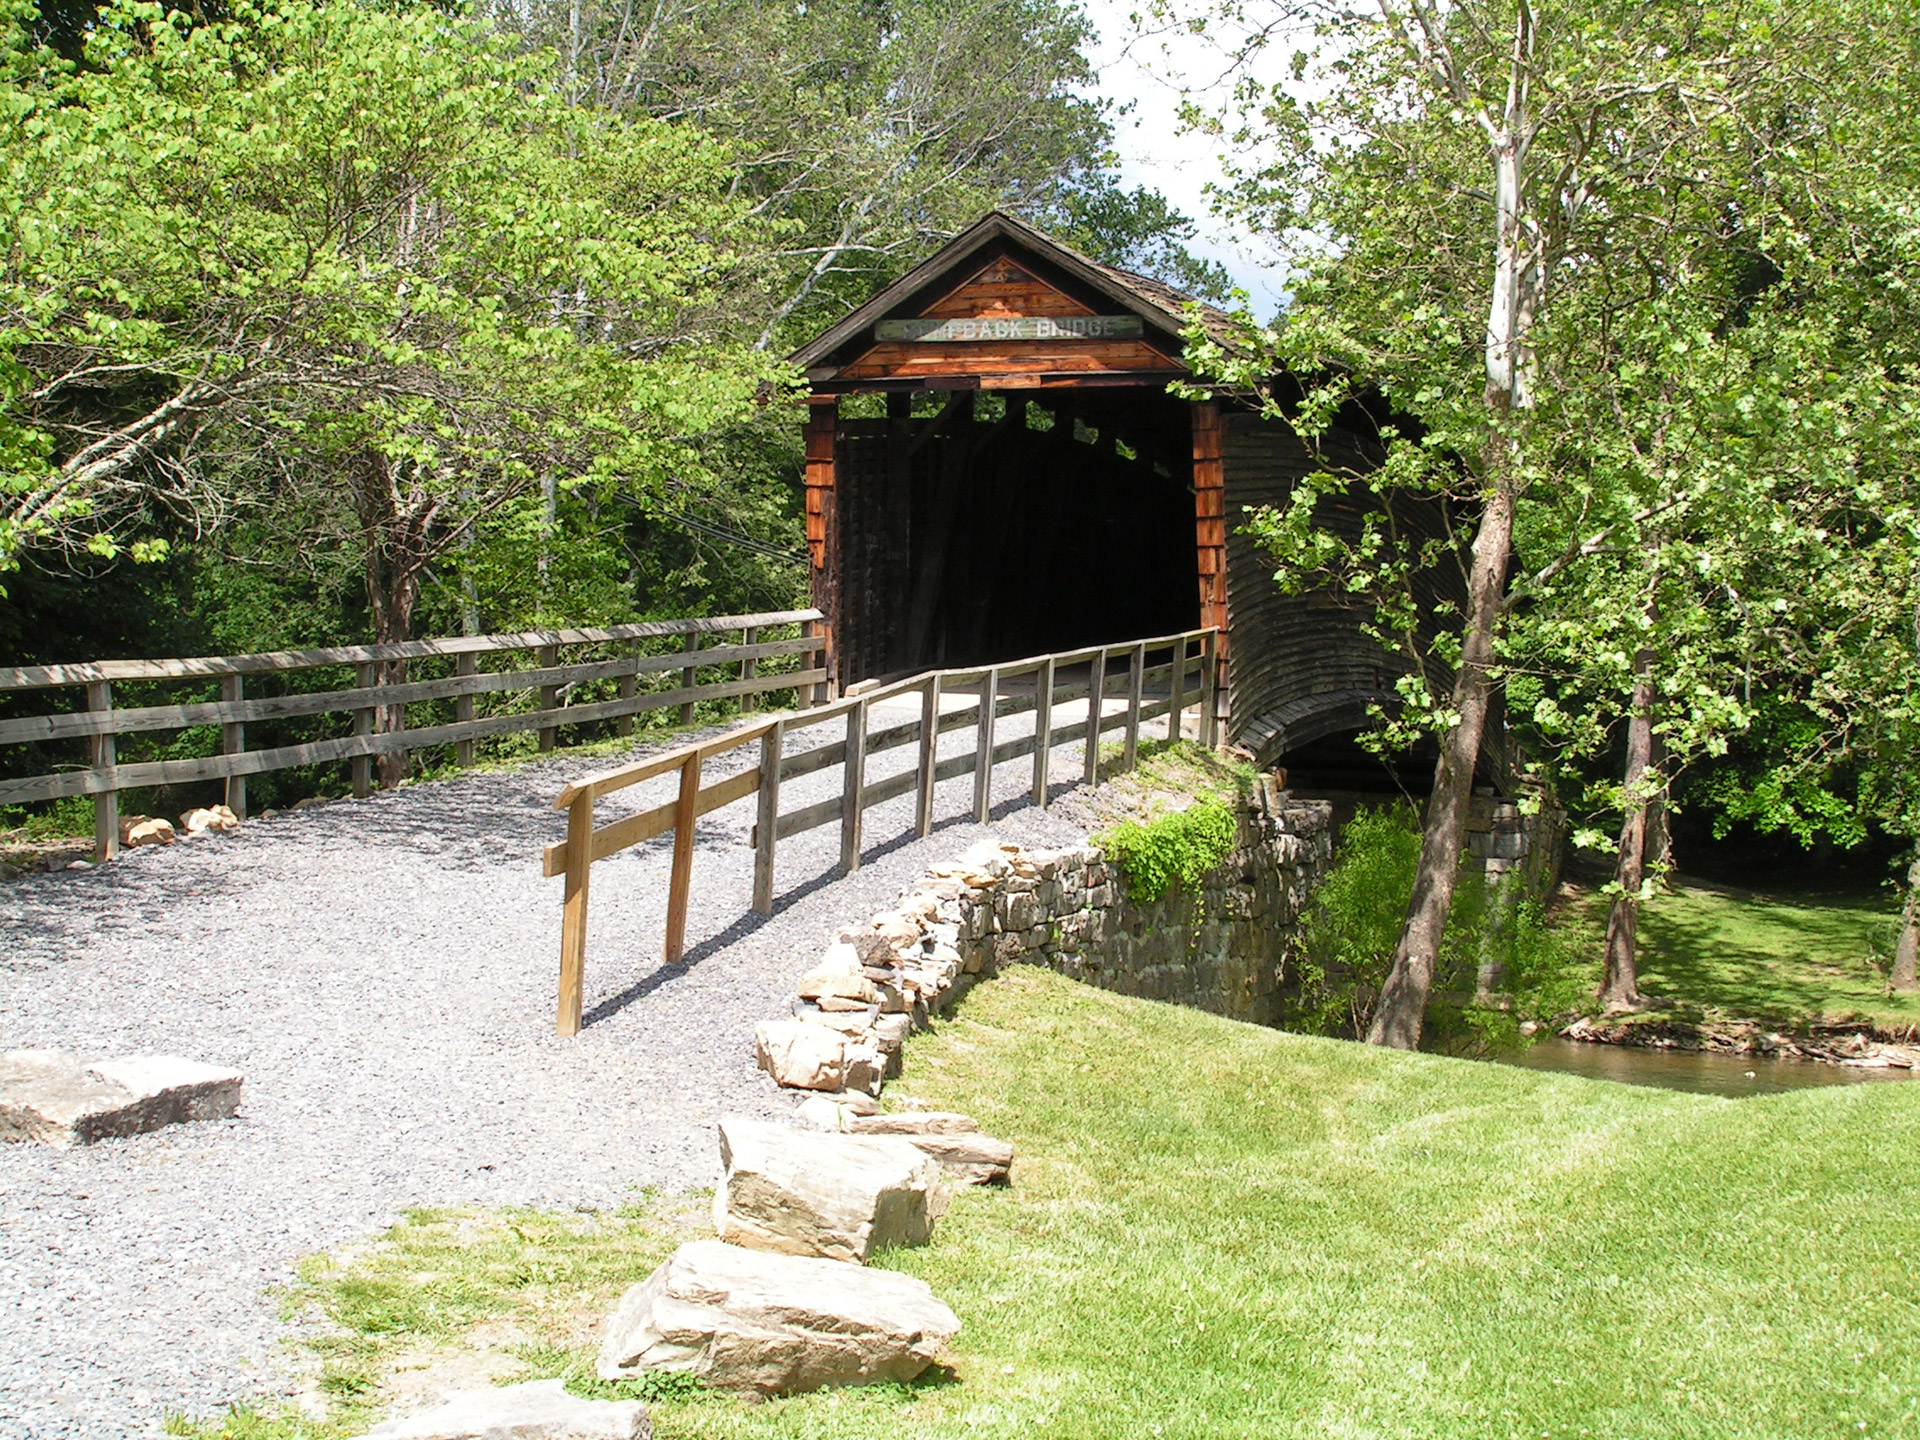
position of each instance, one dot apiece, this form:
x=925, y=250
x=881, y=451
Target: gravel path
x=383, y=972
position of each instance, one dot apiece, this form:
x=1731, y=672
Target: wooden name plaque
x=1014, y=327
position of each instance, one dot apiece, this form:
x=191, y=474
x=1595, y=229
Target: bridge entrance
x=995, y=469
x=979, y=526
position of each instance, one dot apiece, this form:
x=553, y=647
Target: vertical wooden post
x=1096, y=693
x=1177, y=701
x=929, y=754
x=1209, y=691
x=689, y=676
x=573, y=914
x=747, y=667
x=823, y=424
x=464, y=665
x=1136, y=684
x=767, y=820
x=233, y=741
x=629, y=685
x=1042, y=729
x=545, y=657
x=680, y=881
x=854, y=781
x=106, y=803
x=397, y=714
x=1210, y=521
x=983, y=747
x=821, y=691
x=363, y=726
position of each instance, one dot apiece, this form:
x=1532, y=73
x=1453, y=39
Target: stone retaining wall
x=1216, y=948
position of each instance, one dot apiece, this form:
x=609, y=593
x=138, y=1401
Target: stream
x=1704, y=1072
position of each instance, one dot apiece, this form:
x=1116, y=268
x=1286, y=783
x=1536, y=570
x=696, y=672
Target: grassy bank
x=1716, y=953
x=1219, y=1230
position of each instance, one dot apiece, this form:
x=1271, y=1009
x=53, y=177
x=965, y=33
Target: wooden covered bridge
x=1032, y=486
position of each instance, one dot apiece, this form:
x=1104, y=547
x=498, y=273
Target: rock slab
x=55, y=1098
x=840, y=1197
x=774, y=1324
x=537, y=1410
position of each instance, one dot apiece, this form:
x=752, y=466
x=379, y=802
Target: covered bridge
x=1028, y=485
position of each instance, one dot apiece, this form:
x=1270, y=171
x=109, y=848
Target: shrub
x=1182, y=846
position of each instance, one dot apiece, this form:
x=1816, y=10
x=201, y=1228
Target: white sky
x=1145, y=74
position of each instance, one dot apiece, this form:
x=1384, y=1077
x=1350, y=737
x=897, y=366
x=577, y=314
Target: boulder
x=968, y=1159
x=137, y=830
x=802, y=1055
x=57, y=1099
x=774, y=1324
x=915, y=1122
x=536, y=1410
x=841, y=1197
x=211, y=817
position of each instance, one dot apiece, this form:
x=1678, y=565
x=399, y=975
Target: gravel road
x=383, y=972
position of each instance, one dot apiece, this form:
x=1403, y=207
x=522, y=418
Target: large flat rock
x=807, y=1192
x=774, y=1324
x=536, y=1410
x=56, y=1098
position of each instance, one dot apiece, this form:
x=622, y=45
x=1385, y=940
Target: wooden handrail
x=574, y=857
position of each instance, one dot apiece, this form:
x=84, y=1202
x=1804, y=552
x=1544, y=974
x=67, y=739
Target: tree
x=1502, y=216
x=364, y=269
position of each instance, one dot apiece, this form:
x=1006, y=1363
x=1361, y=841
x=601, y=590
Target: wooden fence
x=1112, y=671
x=380, y=692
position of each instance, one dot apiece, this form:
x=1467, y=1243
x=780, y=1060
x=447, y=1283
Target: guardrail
x=574, y=856
x=379, y=694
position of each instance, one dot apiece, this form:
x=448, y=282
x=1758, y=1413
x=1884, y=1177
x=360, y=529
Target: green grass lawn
x=1221, y=1230
x=1781, y=957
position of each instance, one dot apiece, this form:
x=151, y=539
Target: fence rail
x=379, y=695
x=1128, y=681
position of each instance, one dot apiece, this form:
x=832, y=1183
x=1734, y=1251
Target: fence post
x=680, y=883
x=573, y=915
x=1042, y=729
x=233, y=741
x=464, y=665
x=629, y=687
x=1209, y=690
x=689, y=676
x=748, y=667
x=818, y=692
x=106, y=803
x=1136, y=683
x=854, y=781
x=1177, y=701
x=929, y=754
x=1096, y=693
x=983, y=747
x=363, y=726
x=546, y=657
x=767, y=820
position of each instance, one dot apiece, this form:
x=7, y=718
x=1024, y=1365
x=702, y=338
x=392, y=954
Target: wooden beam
x=855, y=779
x=464, y=668
x=1136, y=686
x=680, y=881
x=823, y=424
x=767, y=817
x=1096, y=693
x=1042, y=729
x=929, y=756
x=983, y=747
x=106, y=804
x=233, y=740
x=363, y=729
x=573, y=915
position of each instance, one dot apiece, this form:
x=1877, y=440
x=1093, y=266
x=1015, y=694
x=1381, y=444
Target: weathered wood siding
x=1299, y=666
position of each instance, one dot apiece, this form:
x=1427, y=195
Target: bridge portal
x=995, y=468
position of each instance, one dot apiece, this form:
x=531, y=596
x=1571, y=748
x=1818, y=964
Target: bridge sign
x=1014, y=327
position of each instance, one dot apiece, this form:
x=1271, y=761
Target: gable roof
x=1158, y=304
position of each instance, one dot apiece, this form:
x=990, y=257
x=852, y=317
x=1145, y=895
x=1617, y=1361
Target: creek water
x=1703, y=1072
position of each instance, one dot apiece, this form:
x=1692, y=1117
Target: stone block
x=841, y=1197
x=968, y=1159
x=774, y=1324
x=57, y=1099
x=802, y=1055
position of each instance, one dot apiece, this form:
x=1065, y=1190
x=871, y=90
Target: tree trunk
x=1398, y=1018
x=1907, y=949
x=1620, y=984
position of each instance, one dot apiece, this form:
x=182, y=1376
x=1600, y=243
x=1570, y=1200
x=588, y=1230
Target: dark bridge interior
x=1026, y=526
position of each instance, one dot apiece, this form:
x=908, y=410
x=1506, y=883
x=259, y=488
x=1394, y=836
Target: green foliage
x=1179, y=847
x=1349, y=932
